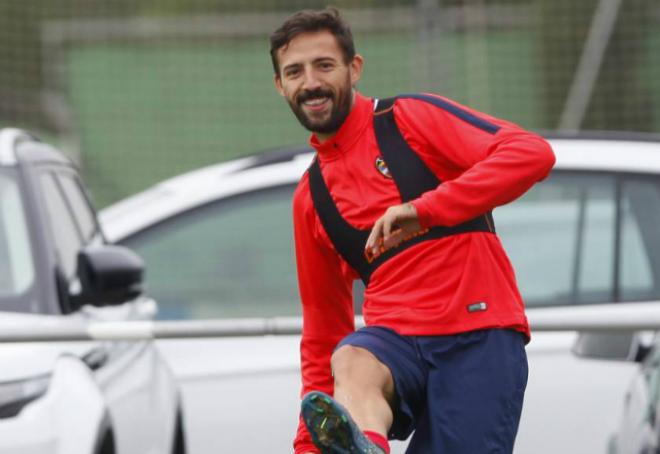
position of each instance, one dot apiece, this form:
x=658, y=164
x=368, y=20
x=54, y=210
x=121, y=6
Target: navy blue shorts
x=460, y=394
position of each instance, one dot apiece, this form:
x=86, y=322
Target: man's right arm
x=325, y=285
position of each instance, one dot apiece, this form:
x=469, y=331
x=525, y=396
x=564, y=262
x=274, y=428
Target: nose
x=311, y=80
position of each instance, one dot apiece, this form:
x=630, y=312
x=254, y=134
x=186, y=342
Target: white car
x=58, y=273
x=218, y=244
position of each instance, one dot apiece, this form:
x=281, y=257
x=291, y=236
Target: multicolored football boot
x=331, y=427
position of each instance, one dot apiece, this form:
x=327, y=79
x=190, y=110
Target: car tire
x=179, y=444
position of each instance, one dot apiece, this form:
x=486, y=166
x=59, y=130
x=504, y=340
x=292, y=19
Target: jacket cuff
x=423, y=213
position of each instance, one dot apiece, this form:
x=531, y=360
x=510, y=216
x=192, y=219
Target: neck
x=323, y=137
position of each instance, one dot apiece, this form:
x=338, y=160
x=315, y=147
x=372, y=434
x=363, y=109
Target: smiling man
x=321, y=103
x=400, y=195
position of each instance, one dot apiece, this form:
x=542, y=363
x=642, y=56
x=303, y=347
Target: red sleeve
x=479, y=169
x=325, y=285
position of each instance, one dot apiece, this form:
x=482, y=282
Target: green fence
x=141, y=94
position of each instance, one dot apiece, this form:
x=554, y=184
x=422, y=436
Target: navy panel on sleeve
x=455, y=110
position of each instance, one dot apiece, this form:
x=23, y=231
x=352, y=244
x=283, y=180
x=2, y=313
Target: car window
x=640, y=240
x=233, y=258
x=82, y=211
x=580, y=238
x=560, y=238
x=65, y=231
x=17, y=271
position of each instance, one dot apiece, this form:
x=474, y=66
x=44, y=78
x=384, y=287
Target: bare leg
x=364, y=386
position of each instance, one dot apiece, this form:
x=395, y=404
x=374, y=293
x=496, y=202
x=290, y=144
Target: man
x=400, y=196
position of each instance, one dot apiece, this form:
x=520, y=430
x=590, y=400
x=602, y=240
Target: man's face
x=317, y=82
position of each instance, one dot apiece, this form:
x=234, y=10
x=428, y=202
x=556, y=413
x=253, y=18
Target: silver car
x=218, y=244
x=57, y=273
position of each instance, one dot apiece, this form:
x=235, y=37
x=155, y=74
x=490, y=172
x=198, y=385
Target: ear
x=355, y=67
x=278, y=84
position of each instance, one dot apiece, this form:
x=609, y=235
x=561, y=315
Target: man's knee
x=358, y=366
x=349, y=360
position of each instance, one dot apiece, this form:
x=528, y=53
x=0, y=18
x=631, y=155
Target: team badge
x=382, y=167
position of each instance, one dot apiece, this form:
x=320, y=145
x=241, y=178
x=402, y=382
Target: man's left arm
x=480, y=168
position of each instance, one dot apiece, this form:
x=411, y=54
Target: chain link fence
x=141, y=91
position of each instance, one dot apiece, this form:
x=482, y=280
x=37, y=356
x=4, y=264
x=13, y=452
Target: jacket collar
x=355, y=123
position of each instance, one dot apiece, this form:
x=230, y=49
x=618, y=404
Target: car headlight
x=15, y=395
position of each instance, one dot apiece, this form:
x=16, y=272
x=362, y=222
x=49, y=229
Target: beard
x=341, y=107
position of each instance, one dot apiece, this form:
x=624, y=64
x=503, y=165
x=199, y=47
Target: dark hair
x=312, y=21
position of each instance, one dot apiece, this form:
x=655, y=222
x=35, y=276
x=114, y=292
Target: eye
x=326, y=65
x=292, y=72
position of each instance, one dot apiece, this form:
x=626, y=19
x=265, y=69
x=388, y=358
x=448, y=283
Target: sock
x=378, y=440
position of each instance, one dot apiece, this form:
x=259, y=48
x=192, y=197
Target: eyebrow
x=316, y=60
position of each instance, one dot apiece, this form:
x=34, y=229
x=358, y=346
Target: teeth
x=315, y=101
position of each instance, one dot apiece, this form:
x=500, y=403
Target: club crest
x=382, y=167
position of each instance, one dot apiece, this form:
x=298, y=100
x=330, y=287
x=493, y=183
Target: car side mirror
x=621, y=346
x=108, y=275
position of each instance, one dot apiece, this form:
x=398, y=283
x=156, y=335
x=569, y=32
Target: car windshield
x=17, y=272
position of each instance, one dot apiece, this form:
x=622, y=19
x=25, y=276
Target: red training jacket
x=425, y=289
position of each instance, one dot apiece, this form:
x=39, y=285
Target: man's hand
x=399, y=223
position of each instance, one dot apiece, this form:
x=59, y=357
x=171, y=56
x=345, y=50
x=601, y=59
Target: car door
x=138, y=388
x=580, y=238
x=231, y=258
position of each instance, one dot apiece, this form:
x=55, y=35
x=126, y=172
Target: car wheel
x=179, y=445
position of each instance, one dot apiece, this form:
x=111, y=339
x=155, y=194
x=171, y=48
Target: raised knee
x=357, y=370
x=346, y=358
x=356, y=363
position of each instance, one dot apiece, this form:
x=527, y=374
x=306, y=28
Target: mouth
x=316, y=104
x=316, y=101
